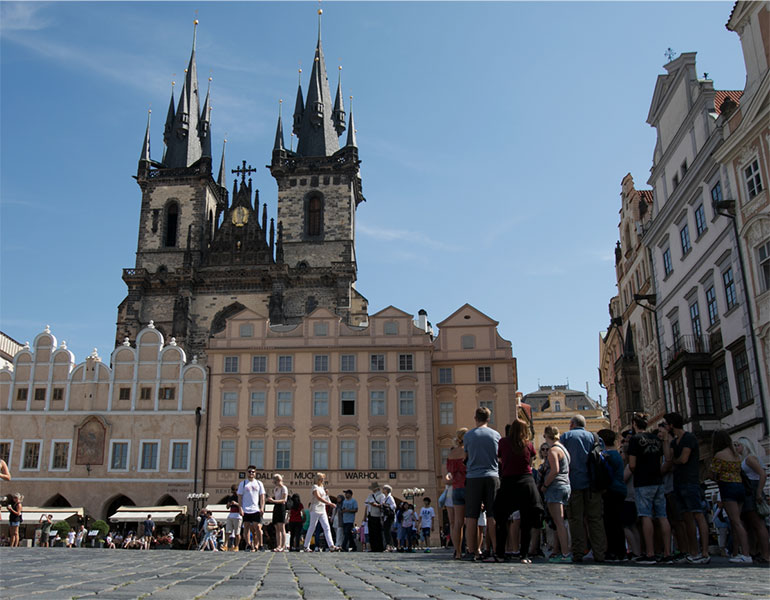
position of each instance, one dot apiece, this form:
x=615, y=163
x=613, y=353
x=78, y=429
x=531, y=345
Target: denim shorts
x=650, y=501
x=688, y=495
x=557, y=494
x=458, y=496
x=734, y=491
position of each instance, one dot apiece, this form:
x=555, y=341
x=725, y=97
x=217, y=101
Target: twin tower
x=204, y=254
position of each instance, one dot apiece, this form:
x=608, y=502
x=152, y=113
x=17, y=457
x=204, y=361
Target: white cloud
x=23, y=16
x=419, y=238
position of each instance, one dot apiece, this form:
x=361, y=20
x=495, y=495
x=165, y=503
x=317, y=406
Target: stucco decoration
x=90, y=448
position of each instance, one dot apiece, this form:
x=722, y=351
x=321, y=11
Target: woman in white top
x=757, y=477
x=318, y=504
x=280, y=494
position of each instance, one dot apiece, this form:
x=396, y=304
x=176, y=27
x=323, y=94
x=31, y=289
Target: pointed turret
x=145, y=154
x=317, y=133
x=184, y=144
x=204, y=127
x=170, y=117
x=279, y=145
x=222, y=179
x=339, y=108
x=299, y=107
x=351, y=141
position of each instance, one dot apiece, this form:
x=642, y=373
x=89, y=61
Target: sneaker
x=666, y=560
x=645, y=560
x=679, y=557
x=560, y=558
x=741, y=558
x=611, y=558
x=427, y=551
x=698, y=559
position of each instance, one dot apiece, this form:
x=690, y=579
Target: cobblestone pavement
x=58, y=574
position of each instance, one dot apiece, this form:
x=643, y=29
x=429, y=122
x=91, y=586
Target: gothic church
x=204, y=254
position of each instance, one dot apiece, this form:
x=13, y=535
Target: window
x=321, y=329
x=445, y=375
x=231, y=364
x=320, y=404
x=711, y=303
x=704, y=403
x=377, y=454
x=730, y=295
x=124, y=393
x=678, y=388
x=684, y=236
x=377, y=403
x=314, y=216
x=723, y=389
x=230, y=404
x=348, y=363
x=5, y=452
x=700, y=220
x=347, y=454
x=148, y=456
x=257, y=453
x=285, y=364
x=40, y=394
x=406, y=403
x=695, y=319
x=119, y=456
x=390, y=328
x=30, y=456
x=58, y=394
x=145, y=393
x=227, y=454
x=348, y=403
x=675, y=180
x=406, y=362
x=284, y=407
x=60, y=455
x=259, y=364
x=180, y=456
x=407, y=454
x=167, y=393
x=172, y=218
x=675, y=332
x=21, y=394
x=742, y=378
x=246, y=330
x=683, y=168
x=667, y=266
x=716, y=193
x=377, y=362
x=446, y=413
x=485, y=374
x=753, y=179
x=283, y=454
x=763, y=254
x=320, y=454
x=321, y=363
x=490, y=404
x=468, y=342
x=257, y=404
x=445, y=454
x=557, y=406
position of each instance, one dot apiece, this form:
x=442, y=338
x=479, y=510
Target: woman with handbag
x=726, y=471
x=754, y=479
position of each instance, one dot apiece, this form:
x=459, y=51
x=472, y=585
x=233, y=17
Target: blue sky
x=493, y=136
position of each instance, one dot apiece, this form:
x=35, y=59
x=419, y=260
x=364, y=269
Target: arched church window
x=211, y=224
x=172, y=225
x=314, y=216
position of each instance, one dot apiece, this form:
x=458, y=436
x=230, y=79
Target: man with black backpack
x=585, y=503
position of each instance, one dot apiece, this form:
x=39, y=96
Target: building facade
x=100, y=437
x=701, y=302
x=745, y=160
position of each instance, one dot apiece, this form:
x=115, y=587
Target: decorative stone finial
x=195, y=359
x=26, y=345
x=63, y=345
x=151, y=324
x=172, y=342
x=126, y=342
x=48, y=329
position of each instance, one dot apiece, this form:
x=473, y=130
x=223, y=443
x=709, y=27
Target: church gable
x=466, y=316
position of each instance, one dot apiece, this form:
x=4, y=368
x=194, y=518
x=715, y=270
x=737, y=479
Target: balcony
x=686, y=347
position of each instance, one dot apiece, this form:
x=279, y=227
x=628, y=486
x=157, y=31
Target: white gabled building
x=701, y=309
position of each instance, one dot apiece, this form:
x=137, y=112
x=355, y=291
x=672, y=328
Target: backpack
x=289, y=503
x=388, y=513
x=599, y=470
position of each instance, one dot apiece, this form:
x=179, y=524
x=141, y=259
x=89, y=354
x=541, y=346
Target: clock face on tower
x=240, y=216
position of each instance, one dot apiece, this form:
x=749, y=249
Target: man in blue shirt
x=584, y=504
x=482, y=480
x=349, y=510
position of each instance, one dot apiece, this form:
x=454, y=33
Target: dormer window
x=318, y=113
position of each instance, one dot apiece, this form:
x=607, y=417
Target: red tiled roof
x=646, y=196
x=720, y=95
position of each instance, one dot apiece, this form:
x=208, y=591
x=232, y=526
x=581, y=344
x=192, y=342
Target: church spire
x=204, y=128
x=317, y=134
x=339, y=108
x=279, y=145
x=351, y=129
x=145, y=155
x=222, y=179
x=170, y=117
x=184, y=144
x=299, y=106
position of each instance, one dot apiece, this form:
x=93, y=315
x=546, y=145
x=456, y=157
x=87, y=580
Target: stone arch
x=112, y=505
x=57, y=501
x=314, y=215
x=167, y=500
x=171, y=224
x=219, y=322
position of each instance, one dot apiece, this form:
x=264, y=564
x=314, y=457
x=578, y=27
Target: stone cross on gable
x=243, y=171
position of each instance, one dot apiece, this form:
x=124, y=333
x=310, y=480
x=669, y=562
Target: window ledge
x=733, y=309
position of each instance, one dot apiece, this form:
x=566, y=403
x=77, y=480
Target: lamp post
x=413, y=493
x=197, y=499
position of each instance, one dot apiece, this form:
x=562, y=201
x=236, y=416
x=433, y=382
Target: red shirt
x=513, y=462
x=456, y=466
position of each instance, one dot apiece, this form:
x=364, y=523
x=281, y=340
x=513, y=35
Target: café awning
x=31, y=514
x=137, y=514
